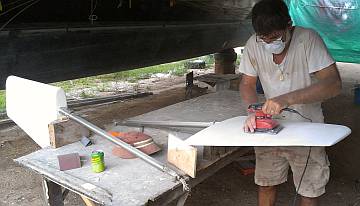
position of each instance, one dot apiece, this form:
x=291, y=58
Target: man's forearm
x=248, y=93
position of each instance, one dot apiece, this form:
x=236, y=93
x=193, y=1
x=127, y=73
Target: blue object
x=357, y=94
x=85, y=141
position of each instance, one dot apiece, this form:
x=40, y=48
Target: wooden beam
x=181, y=155
x=66, y=131
x=182, y=199
x=52, y=193
x=87, y=201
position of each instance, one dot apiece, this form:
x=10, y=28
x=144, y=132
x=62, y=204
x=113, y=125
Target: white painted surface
x=32, y=106
x=230, y=133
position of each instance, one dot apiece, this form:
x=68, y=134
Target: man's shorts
x=272, y=165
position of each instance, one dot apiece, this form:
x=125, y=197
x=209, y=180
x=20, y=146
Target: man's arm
x=247, y=89
x=328, y=85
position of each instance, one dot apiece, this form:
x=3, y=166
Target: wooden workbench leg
x=87, y=201
x=182, y=199
x=52, y=193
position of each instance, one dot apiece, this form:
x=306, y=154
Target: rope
x=302, y=176
x=17, y=14
x=15, y=7
x=93, y=17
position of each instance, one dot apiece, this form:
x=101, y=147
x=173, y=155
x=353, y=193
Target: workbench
x=132, y=181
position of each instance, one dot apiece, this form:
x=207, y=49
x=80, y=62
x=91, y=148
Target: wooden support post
x=181, y=155
x=87, y=201
x=172, y=3
x=66, y=131
x=182, y=199
x=189, y=85
x=65, y=193
x=225, y=62
x=52, y=193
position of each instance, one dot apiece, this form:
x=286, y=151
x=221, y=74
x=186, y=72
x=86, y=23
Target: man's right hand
x=250, y=124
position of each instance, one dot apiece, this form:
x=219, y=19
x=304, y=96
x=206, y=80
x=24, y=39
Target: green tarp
x=337, y=21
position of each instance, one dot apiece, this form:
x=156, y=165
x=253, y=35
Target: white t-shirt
x=307, y=54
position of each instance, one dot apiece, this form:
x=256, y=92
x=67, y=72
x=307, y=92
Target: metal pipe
x=153, y=162
x=155, y=124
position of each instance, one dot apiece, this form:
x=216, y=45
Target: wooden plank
x=66, y=131
x=52, y=193
x=87, y=201
x=181, y=155
x=182, y=199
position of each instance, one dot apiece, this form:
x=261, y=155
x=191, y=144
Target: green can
x=97, y=161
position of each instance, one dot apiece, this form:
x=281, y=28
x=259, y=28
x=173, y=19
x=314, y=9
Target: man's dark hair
x=269, y=16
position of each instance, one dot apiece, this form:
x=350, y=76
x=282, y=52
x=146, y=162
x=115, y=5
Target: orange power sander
x=264, y=122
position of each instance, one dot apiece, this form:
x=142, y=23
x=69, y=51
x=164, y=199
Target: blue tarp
x=337, y=22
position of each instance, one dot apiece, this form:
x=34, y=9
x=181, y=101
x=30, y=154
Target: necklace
x=281, y=67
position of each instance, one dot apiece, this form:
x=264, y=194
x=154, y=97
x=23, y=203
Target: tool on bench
x=139, y=140
x=166, y=124
x=265, y=122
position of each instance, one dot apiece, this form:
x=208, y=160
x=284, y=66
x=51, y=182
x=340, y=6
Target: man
x=296, y=71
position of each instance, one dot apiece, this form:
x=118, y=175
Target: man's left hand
x=275, y=105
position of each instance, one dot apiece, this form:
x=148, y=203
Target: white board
x=32, y=106
x=230, y=133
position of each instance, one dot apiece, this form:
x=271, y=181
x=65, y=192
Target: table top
x=133, y=181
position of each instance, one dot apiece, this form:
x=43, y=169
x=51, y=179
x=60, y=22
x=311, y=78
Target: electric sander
x=264, y=122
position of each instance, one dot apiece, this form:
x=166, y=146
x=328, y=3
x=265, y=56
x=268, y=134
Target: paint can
x=97, y=161
x=357, y=94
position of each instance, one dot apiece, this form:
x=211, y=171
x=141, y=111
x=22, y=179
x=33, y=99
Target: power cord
x=93, y=17
x=296, y=112
x=308, y=156
x=307, y=159
x=357, y=190
x=302, y=176
x=17, y=14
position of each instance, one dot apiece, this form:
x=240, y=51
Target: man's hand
x=250, y=124
x=275, y=105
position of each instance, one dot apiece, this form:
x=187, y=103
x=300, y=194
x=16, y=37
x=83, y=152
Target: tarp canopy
x=337, y=22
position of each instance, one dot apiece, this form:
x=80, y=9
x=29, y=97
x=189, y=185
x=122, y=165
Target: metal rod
x=138, y=123
x=153, y=162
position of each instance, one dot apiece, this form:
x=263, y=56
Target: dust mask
x=277, y=46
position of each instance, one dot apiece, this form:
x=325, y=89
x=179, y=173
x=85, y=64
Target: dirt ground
x=19, y=186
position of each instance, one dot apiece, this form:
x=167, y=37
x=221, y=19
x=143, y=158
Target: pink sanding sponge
x=69, y=161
